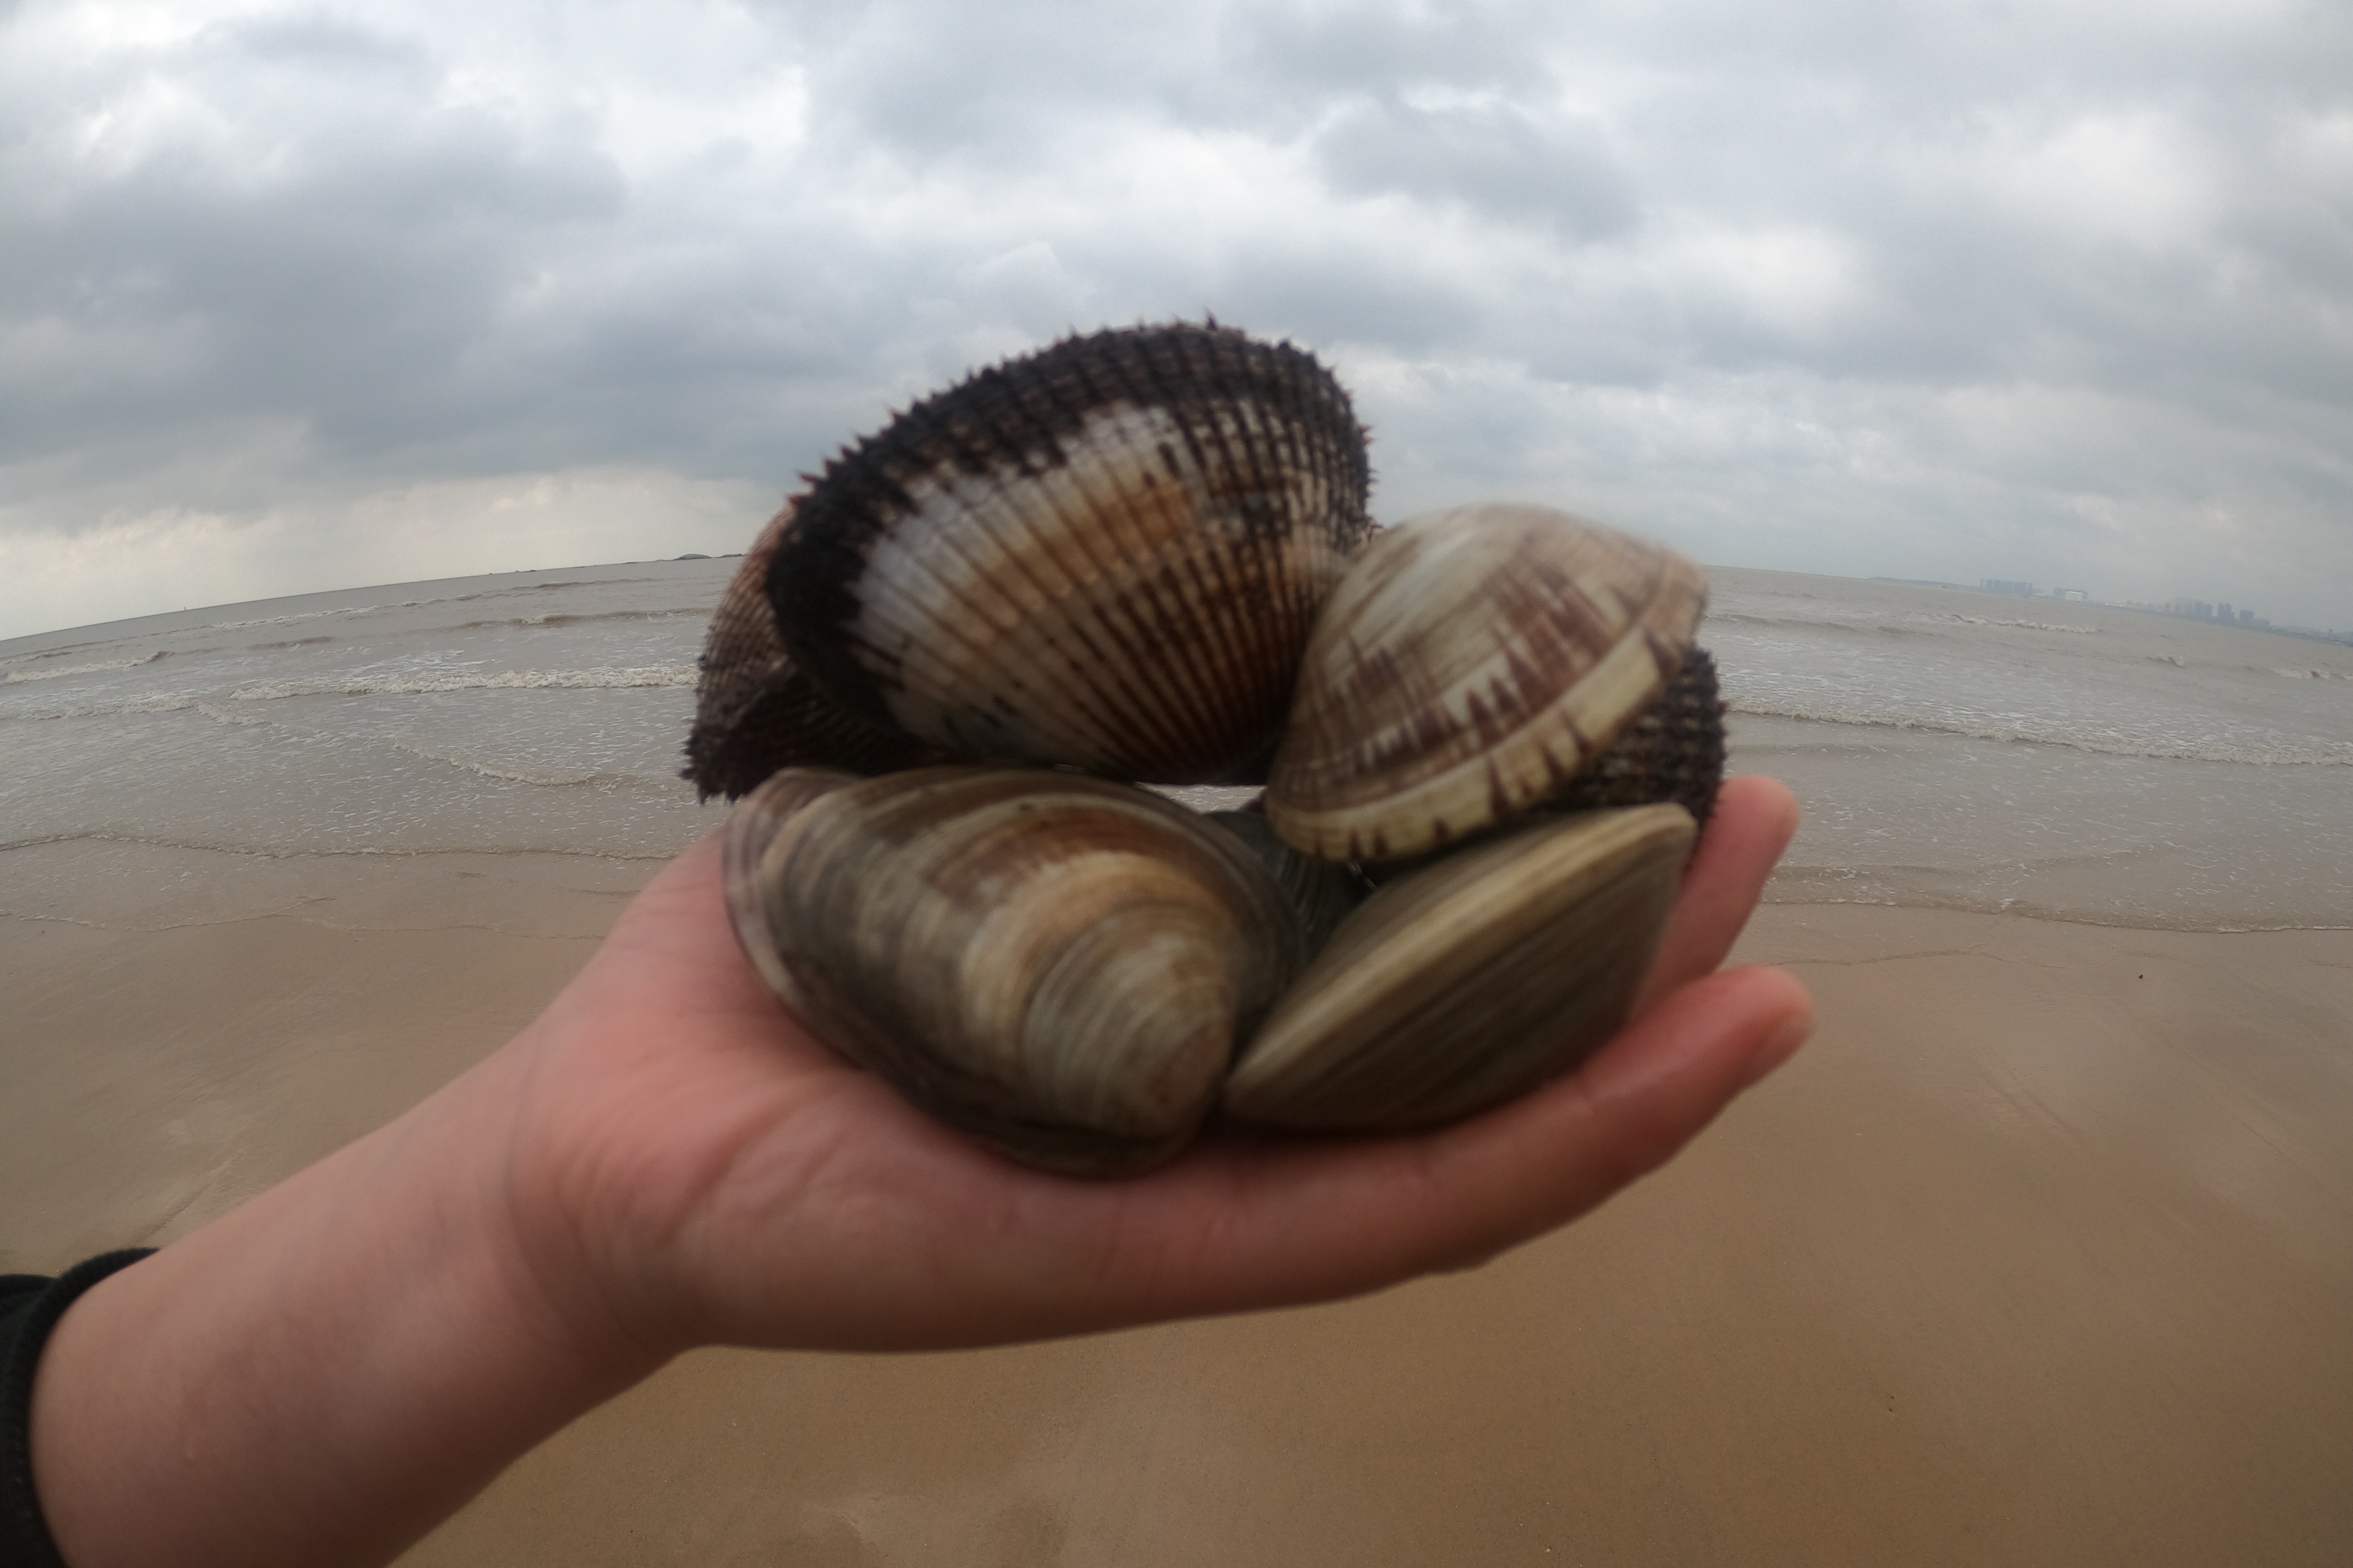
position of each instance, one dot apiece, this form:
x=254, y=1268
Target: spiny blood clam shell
x=1106, y=554
x=756, y=710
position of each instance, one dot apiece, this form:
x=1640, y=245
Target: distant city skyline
x=2218, y=612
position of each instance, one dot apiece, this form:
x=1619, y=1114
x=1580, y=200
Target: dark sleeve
x=31, y=1306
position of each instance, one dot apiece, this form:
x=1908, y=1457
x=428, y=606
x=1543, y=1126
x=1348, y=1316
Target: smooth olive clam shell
x=746, y=874
x=1471, y=981
x=1470, y=663
x=1107, y=555
x=1059, y=967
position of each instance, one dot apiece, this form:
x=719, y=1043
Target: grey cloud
x=345, y=266
x=1497, y=159
x=1773, y=263
x=1338, y=51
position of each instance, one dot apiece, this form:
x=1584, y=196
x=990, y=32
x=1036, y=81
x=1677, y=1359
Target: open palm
x=690, y=1166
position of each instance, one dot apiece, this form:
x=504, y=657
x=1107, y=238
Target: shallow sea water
x=1974, y=750
x=1953, y=749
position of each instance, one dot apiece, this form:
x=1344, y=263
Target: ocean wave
x=298, y=615
x=172, y=704
x=361, y=685
x=1794, y=623
x=225, y=845
x=19, y=676
x=2321, y=754
x=584, y=617
x=1800, y=890
x=2030, y=625
x=507, y=589
x=506, y=679
x=514, y=772
x=499, y=592
x=1911, y=623
x=214, y=710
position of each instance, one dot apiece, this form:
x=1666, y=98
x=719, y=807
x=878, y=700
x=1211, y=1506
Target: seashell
x=1134, y=553
x=1060, y=966
x=1468, y=667
x=1107, y=555
x=753, y=830
x=1323, y=893
x=756, y=710
x=1673, y=750
x=1490, y=971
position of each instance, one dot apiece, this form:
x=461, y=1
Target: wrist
x=322, y=1373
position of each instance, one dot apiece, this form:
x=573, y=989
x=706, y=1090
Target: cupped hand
x=688, y=1165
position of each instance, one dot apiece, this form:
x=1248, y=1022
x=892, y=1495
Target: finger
x=1338, y=1218
x=1754, y=821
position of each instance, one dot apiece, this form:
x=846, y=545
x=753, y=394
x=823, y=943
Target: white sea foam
x=216, y=711
x=560, y=618
x=171, y=704
x=298, y=615
x=2310, y=754
x=505, y=679
x=2028, y=625
x=18, y=675
x=512, y=773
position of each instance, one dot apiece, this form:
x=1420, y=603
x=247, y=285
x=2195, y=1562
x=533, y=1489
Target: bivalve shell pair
x=1144, y=556
x=1076, y=973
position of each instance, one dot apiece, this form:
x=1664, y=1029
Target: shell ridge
x=1133, y=620
x=1042, y=529
x=909, y=597
x=1270, y=558
x=1139, y=630
x=1047, y=513
x=975, y=544
x=1239, y=642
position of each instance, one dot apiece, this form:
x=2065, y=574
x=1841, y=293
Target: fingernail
x=1778, y=1048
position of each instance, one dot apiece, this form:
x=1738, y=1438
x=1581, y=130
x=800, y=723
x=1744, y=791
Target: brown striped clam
x=958, y=928
x=1142, y=557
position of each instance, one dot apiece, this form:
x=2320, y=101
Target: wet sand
x=2042, y=1252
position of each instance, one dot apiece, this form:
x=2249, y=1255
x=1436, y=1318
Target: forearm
x=319, y=1375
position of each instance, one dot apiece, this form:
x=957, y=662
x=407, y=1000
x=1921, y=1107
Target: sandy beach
x=2042, y=1252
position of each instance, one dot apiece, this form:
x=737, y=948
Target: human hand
x=666, y=1158
x=691, y=1165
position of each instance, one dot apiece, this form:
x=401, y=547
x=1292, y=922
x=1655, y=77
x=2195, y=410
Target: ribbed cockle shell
x=1058, y=966
x=1107, y=555
x=1466, y=668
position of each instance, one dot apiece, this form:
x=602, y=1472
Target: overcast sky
x=310, y=295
